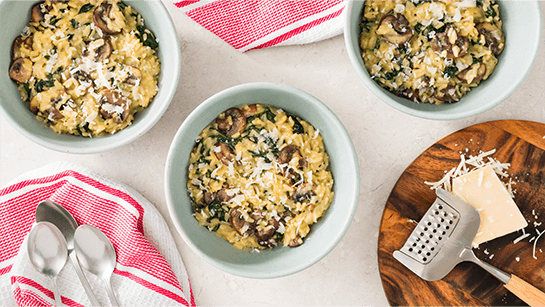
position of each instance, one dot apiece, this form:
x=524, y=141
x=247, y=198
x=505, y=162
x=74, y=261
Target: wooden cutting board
x=520, y=143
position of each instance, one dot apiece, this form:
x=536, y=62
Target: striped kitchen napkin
x=149, y=269
x=255, y=24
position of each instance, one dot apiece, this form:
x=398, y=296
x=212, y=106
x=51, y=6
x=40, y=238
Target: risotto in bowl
x=86, y=76
x=262, y=180
x=442, y=59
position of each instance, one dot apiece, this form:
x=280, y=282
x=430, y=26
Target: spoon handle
x=111, y=294
x=56, y=294
x=83, y=279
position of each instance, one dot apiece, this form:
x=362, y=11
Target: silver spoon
x=97, y=255
x=48, y=253
x=54, y=213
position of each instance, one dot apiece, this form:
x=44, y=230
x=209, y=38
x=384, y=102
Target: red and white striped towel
x=255, y=24
x=149, y=269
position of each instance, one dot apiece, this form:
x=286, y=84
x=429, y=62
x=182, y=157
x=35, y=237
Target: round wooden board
x=520, y=143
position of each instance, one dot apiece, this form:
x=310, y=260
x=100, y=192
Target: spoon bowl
x=48, y=252
x=56, y=214
x=97, y=255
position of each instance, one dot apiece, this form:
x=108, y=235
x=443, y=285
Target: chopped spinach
x=42, y=84
x=377, y=44
x=146, y=37
x=418, y=27
x=450, y=71
x=270, y=115
x=366, y=25
x=54, y=20
x=227, y=140
x=477, y=60
x=86, y=8
x=391, y=75
x=82, y=129
x=297, y=127
x=28, y=91
x=442, y=29
x=58, y=71
x=490, y=12
x=75, y=23
x=217, y=211
x=121, y=5
x=403, y=49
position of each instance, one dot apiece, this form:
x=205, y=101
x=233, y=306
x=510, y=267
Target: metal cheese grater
x=443, y=238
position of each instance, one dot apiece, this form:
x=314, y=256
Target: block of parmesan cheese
x=499, y=214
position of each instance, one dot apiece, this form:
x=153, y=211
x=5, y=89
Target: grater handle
x=523, y=290
x=468, y=255
x=526, y=292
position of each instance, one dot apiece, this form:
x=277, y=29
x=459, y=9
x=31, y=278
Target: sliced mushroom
x=113, y=105
x=53, y=114
x=222, y=196
x=134, y=75
x=225, y=154
x=493, y=36
x=84, y=79
x=470, y=75
x=208, y=197
x=98, y=50
x=21, y=70
x=448, y=94
x=50, y=103
x=249, y=110
x=63, y=100
x=265, y=236
x=101, y=16
x=38, y=12
x=286, y=154
x=296, y=242
x=237, y=221
x=257, y=215
x=395, y=28
x=408, y=94
x=233, y=122
x=18, y=43
x=303, y=192
x=451, y=43
x=286, y=215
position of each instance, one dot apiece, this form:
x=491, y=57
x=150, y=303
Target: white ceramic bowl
x=281, y=260
x=14, y=16
x=522, y=26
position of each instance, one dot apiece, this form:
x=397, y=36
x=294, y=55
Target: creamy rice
x=259, y=177
x=86, y=67
x=431, y=51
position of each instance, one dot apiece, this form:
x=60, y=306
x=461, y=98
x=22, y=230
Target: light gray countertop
x=386, y=141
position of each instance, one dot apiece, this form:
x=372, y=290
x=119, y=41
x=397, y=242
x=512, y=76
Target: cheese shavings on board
x=472, y=163
x=499, y=214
